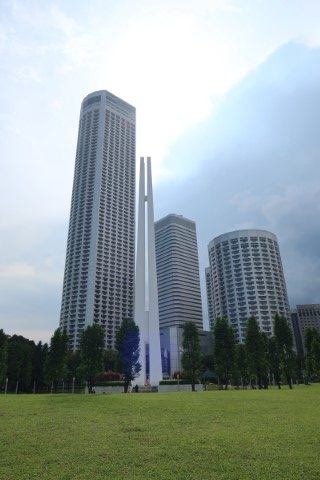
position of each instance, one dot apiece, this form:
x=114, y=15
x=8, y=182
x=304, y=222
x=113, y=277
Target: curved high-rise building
x=247, y=279
x=99, y=272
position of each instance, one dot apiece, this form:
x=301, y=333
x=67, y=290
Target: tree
x=240, y=374
x=191, y=356
x=56, y=362
x=299, y=368
x=311, y=335
x=273, y=360
x=315, y=351
x=284, y=339
x=127, y=344
x=91, y=353
x=207, y=362
x=224, y=345
x=38, y=365
x=111, y=361
x=73, y=363
x=265, y=376
x=256, y=352
x=20, y=356
x=208, y=368
x=3, y=356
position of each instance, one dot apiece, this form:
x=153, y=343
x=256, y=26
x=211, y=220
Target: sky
x=227, y=94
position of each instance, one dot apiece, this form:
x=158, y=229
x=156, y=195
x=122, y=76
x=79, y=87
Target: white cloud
x=17, y=271
x=28, y=73
x=76, y=45
x=37, y=335
x=3, y=37
x=22, y=272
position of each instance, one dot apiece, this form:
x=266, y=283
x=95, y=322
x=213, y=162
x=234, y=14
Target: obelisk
x=146, y=291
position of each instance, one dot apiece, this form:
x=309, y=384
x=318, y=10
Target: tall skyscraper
x=178, y=271
x=178, y=286
x=99, y=272
x=247, y=279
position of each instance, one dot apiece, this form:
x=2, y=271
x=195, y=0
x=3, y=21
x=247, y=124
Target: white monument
x=146, y=292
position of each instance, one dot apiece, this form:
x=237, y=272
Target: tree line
x=258, y=362
x=29, y=367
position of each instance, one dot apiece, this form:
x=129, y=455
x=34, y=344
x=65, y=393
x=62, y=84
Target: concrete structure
x=98, y=282
x=180, y=388
x=209, y=297
x=247, y=279
x=178, y=271
x=308, y=317
x=297, y=333
x=171, y=348
x=146, y=300
x=113, y=389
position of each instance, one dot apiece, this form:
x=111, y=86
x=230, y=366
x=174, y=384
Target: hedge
x=175, y=382
x=113, y=383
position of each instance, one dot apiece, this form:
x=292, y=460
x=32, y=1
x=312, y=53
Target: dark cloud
x=258, y=164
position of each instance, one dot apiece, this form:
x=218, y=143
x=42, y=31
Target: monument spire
x=146, y=297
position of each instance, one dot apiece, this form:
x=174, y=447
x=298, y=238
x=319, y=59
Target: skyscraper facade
x=209, y=297
x=178, y=271
x=98, y=285
x=308, y=317
x=247, y=279
x=297, y=333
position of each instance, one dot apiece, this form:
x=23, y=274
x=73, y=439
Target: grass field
x=204, y=435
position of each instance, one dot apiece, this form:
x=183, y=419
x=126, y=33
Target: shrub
x=109, y=384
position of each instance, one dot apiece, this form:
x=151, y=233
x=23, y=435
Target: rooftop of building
x=89, y=100
x=242, y=234
x=175, y=219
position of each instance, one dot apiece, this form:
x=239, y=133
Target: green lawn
x=203, y=435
